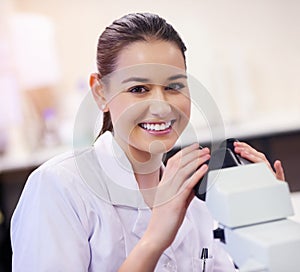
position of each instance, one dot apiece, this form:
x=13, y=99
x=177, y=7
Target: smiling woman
x=114, y=206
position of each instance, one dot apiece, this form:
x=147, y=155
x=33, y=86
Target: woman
x=114, y=207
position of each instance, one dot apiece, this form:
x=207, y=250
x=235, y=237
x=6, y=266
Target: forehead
x=154, y=51
x=155, y=62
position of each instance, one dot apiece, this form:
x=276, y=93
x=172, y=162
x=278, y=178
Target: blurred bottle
x=50, y=134
x=3, y=141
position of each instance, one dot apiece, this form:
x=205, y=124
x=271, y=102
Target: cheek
x=124, y=114
x=120, y=121
x=118, y=106
x=183, y=105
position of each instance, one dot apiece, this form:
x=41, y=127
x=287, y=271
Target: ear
x=98, y=92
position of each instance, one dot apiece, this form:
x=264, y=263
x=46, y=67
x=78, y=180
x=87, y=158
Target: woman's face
x=148, y=98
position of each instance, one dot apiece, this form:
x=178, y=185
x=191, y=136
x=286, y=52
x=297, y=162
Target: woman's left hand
x=249, y=153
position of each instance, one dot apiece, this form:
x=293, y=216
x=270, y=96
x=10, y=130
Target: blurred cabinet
x=285, y=147
x=11, y=186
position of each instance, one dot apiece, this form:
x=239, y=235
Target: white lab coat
x=82, y=211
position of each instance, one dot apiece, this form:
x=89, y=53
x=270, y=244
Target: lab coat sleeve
x=48, y=226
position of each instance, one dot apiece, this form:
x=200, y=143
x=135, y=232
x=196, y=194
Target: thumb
x=279, y=172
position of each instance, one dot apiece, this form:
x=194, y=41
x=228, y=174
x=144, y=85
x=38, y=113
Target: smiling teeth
x=156, y=127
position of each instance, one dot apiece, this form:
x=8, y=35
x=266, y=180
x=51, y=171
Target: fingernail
x=207, y=157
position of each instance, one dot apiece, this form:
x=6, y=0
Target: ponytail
x=107, y=124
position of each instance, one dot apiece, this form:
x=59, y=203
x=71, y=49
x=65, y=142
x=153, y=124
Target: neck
x=148, y=184
x=145, y=165
x=147, y=173
x=147, y=180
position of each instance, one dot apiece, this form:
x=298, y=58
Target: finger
x=189, y=184
x=186, y=192
x=249, y=153
x=241, y=146
x=177, y=174
x=186, y=150
x=183, y=152
x=279, y=172
x=244, y=148
x=185, y=158
x=198, y=154
x=189, y=148
x=183, y=174
x=183, y=193
x=189, y=169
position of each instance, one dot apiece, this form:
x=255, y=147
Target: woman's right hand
x=175, y=193
x=173, y=196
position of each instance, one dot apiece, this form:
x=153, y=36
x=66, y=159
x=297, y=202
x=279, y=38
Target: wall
x=244, y=52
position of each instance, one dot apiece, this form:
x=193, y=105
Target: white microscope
x=252, y=208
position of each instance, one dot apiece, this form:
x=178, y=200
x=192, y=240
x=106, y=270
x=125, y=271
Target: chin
x=160, y=147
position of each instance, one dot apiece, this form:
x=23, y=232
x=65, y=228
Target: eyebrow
x=177, y=77
x=145, y=80
x=137, y=79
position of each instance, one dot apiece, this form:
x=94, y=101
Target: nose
x=159, y=106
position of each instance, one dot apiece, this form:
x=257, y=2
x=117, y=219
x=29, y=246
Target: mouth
x=157, y=126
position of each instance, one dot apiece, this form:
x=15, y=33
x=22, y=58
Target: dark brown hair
x=128, y=29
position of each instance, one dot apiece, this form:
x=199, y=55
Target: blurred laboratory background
x=245, y=53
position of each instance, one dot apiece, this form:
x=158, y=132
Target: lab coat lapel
x=183, y=233
x=141, y=222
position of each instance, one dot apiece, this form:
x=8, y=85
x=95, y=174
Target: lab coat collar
x=120, y=181
x=114, y=161
x=118, y=174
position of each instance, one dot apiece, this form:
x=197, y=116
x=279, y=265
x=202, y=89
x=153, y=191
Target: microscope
x=252, y=208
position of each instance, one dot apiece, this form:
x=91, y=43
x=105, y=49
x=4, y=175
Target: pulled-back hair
x=124, y=31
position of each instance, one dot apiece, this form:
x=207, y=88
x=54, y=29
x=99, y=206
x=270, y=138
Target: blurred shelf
x=278, y=124
x=29, y=160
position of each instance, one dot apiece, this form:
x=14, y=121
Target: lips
x=157, y=126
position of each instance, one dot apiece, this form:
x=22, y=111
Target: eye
x=176, y=86
x=138, y=89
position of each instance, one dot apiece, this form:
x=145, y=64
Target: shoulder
x=64, y=166
x=56, y=189
x=61, y=177
x=65, y=160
